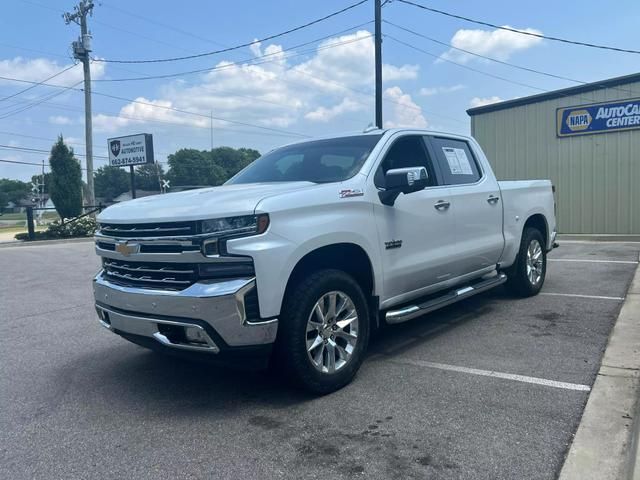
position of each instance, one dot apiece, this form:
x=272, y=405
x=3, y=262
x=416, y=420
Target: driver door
x=417, y=233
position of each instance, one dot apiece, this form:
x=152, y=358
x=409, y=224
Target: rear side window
x=457, y=163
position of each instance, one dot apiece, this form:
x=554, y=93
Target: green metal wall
x=597, y=177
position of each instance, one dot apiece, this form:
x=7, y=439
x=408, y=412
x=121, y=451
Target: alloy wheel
x=332, y=332
x=535, y=262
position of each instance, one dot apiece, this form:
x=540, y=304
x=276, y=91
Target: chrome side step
x=412, y=311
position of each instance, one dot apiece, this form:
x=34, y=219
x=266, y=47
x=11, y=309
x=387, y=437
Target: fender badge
x=351, y=192
x=393, y=244
x=126, y=248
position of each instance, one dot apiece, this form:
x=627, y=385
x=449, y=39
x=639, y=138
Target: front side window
x=407, y=151
x=457, y=163
x=319, y=161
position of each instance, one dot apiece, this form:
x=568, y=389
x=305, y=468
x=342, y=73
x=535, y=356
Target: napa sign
x=598, y=118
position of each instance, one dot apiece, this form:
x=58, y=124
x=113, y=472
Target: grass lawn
x=48, y=215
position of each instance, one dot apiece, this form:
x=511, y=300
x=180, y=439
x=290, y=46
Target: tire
x=526, y=276
x=307, y=345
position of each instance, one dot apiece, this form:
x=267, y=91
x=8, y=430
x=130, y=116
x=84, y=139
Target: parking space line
x=577, y=295
x=489, y=373
x=589, y=260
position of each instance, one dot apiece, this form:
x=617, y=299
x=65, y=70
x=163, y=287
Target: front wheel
x=324, y=331
x=526, y=276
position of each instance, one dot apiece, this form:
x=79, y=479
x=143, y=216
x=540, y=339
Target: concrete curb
x=602, y=237
x=605, y=445
x=37, y=243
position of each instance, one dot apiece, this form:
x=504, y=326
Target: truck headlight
x=230, y=227
x=236, y=226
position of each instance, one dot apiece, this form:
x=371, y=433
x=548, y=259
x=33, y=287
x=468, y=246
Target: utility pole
x=378, y=49
x=81, y=50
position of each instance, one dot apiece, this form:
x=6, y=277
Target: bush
x=83, y=227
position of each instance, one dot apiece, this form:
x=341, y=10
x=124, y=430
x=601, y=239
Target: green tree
x=147, y=177
x=12, y=191
x=230, y=159
x=109, y=182
x=194, y=167
x=66, y=180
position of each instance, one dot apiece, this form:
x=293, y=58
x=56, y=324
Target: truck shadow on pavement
x=129, y=375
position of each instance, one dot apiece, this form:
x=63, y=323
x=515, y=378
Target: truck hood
x=214, y=202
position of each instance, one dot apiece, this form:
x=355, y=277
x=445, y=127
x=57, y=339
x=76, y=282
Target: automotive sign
x=598, y=118
x=130, y=150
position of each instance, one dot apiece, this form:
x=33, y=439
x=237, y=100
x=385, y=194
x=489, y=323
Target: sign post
x=133, y=181
x=130, y=151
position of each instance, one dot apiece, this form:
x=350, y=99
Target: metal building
x=586, y=139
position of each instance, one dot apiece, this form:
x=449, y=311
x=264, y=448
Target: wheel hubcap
x=535, y=262
x=332, y=332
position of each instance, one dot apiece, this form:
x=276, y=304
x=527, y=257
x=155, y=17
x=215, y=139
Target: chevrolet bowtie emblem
x=126, y=248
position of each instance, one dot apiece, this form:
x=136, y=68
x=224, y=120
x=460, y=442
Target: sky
x=314, y=82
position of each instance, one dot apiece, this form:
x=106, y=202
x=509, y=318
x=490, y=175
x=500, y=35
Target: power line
x=21, y=163
x=521, y=32
x=165, y=107
x=490, y=74
x=462, y=65
x=42, y=99
x=501, y=62
x=38, y=150
x=439, y=42
x=254, y=61
x=247, y=44
x=39, y=83
x=160, y=24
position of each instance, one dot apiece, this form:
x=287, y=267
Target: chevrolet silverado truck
x=301, y=255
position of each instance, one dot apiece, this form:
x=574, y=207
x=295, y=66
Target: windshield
x=319, y=161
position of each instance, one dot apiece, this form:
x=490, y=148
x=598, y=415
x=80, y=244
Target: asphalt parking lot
x=491, y=388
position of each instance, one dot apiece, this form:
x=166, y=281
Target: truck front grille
x=172, y=229
x=172, y=276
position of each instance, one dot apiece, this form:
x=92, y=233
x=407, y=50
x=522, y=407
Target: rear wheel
x=526, y=276
x=324, y=331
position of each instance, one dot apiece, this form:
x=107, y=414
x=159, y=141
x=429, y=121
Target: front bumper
x=213, y=311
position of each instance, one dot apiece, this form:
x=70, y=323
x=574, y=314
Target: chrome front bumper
x=214, y=309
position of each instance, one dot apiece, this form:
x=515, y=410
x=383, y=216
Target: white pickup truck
x=303, y=253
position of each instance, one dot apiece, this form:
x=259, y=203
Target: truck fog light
x=195, y=335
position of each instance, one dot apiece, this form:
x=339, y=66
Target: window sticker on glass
x=458, y=161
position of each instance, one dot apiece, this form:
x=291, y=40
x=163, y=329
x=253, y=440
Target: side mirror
x=403, y=180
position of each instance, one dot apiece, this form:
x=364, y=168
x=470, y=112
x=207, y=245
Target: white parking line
x=597, y=297
x=489, y=373
x=587, y=260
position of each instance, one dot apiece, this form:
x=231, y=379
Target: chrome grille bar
x=148, y=230
x=125, y=266
x=145, y=279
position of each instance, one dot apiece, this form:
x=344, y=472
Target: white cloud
x=498, y=44
x=480, y=101
x=278, y=93
x=38, y=69
x=60, y=120
x=404, y=111
x=323, y=114
x=429, y=91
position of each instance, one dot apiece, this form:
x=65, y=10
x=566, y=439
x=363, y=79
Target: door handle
x=493, y=199
x=442, y=205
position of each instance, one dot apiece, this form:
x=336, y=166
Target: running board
x=412, y=311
